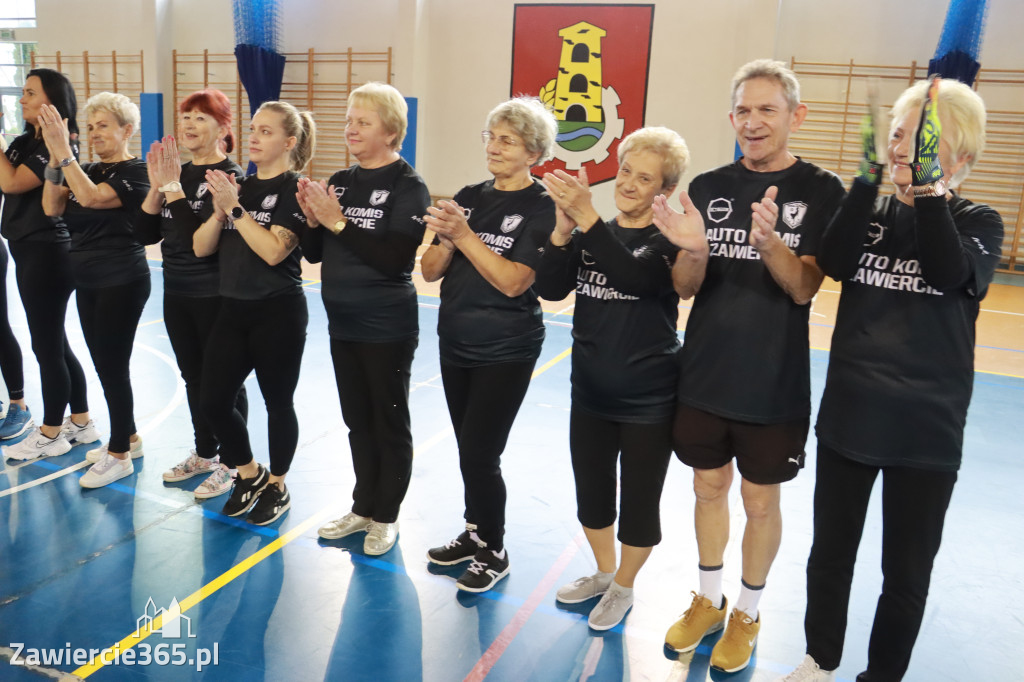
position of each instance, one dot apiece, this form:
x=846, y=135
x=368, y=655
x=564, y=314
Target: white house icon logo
x=170, y=626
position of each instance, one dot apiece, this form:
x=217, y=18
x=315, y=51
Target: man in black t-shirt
x=744, y=387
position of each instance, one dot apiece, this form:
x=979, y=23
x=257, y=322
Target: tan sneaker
x=733, y=651
x=699, y=621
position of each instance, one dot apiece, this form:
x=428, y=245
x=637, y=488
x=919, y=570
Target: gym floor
x=79, y=567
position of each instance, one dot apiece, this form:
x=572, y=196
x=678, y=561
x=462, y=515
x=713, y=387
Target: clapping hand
x=765, y=215
x=925, y=166
x=686, y=229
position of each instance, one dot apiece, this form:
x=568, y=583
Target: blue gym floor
x=78, y=567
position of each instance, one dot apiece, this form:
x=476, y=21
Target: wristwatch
x=237, y=212
x=173, y=186
x=338, y=226
x=932, y=189
x=64, y=163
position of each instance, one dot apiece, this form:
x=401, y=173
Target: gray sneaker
x=582, y=589
x=346, y=525
x=612, y=608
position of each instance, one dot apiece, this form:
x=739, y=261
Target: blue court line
x=172, y=504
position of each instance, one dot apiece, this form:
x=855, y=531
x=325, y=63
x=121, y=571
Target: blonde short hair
x=120, y=107
x=664, y=142
x=963, y=113
x=772, y=70
x=389, y=104
x=530, y=120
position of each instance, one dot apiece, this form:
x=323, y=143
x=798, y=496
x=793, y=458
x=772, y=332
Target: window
x=17, y=14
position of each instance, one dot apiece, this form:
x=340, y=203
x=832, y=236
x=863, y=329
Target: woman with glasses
x=489, y=327
x=367, y=224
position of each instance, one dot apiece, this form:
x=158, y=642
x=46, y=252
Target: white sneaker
x=216, y=484
x=582, y=589
x=77, y=434
x=612, y=608
x=809, y=671
x=107, y=470
x=96, y=454
x=36, y=445
x=192, y=466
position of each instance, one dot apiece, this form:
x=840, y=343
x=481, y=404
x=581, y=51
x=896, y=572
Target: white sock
x=500, y=555
x=624, y=591
x=711, y=584
x=749, y=598
x=475, y=538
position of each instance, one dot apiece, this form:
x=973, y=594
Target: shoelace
x=452, y=544
x=377, y=531
x=476, y=567
x=692, y=611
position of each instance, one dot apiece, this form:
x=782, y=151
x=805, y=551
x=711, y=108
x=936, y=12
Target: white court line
x=172, y=404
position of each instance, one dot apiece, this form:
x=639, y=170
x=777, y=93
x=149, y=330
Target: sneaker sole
x=490, y=585
x=37, y=456
x=603, y=628
x=276, y=516
x=210, y=495
x=562, y=600
x=106, y=483
x=25, y=427
x=449, y=563
x=710, y=631
x=737, y=668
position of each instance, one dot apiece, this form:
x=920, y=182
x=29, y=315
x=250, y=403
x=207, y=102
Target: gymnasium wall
x=455, y=55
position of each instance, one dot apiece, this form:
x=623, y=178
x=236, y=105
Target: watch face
x=237, y=212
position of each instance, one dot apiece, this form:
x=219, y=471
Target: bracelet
x=54, y=175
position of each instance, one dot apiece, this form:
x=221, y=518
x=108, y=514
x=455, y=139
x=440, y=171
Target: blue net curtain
x=960, y=43
x=257, y=39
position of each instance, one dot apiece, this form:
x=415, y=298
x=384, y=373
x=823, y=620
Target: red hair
x=212, y=103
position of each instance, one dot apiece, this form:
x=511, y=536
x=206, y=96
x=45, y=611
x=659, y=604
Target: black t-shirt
x=243, y=274
x=23, y=216
x=746, y=354
x=901, y=369
x=364, y=302
x=624, y=365
x=185, y=274
x=104, y=250
x=477, y=324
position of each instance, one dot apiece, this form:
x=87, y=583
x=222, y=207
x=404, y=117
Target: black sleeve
x=131, y=184
x=949, y=260
x=390, y=254
x=146, y=227
x=843, y=242
x=556, y=271
x=644, y=275
x=313, y=244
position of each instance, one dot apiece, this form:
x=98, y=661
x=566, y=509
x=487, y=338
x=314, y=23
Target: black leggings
x=189, y=321
x=110, y=316
x=268, y=336
x=373, y=386
x=483, y=403
x=646, y=449
x=10, y=351
x=914, y=503
x=43, y=271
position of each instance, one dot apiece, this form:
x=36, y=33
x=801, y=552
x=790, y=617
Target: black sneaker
x=245, y=492
x=462, y=548
x=274, y=501
x=484, y=572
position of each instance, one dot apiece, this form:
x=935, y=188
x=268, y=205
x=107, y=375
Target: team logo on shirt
x=201, y=190
x=269, y=202
x=793, y=213
x=379, y=196
x=587, y=258
x=876, y=231
x=719, y=209
x=510, y=223
x=339, y=192
x=589, y=65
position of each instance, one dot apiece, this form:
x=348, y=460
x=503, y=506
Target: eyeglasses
x=503, y=141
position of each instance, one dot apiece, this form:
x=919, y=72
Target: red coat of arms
x=589, y=63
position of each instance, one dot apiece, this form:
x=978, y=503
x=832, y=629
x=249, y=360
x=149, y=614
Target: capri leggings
x=110, y=316
x=646, y=449
x=43, y=271
x=268, y=336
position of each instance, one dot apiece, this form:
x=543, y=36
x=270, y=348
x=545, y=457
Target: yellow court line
x=977, y=371
x=205, y=591
x=551, y=363
x=146, y=324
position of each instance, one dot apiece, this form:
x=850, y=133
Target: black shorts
x=765, y=453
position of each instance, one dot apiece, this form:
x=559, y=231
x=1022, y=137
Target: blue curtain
x=960, y=43
x=261, y=71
